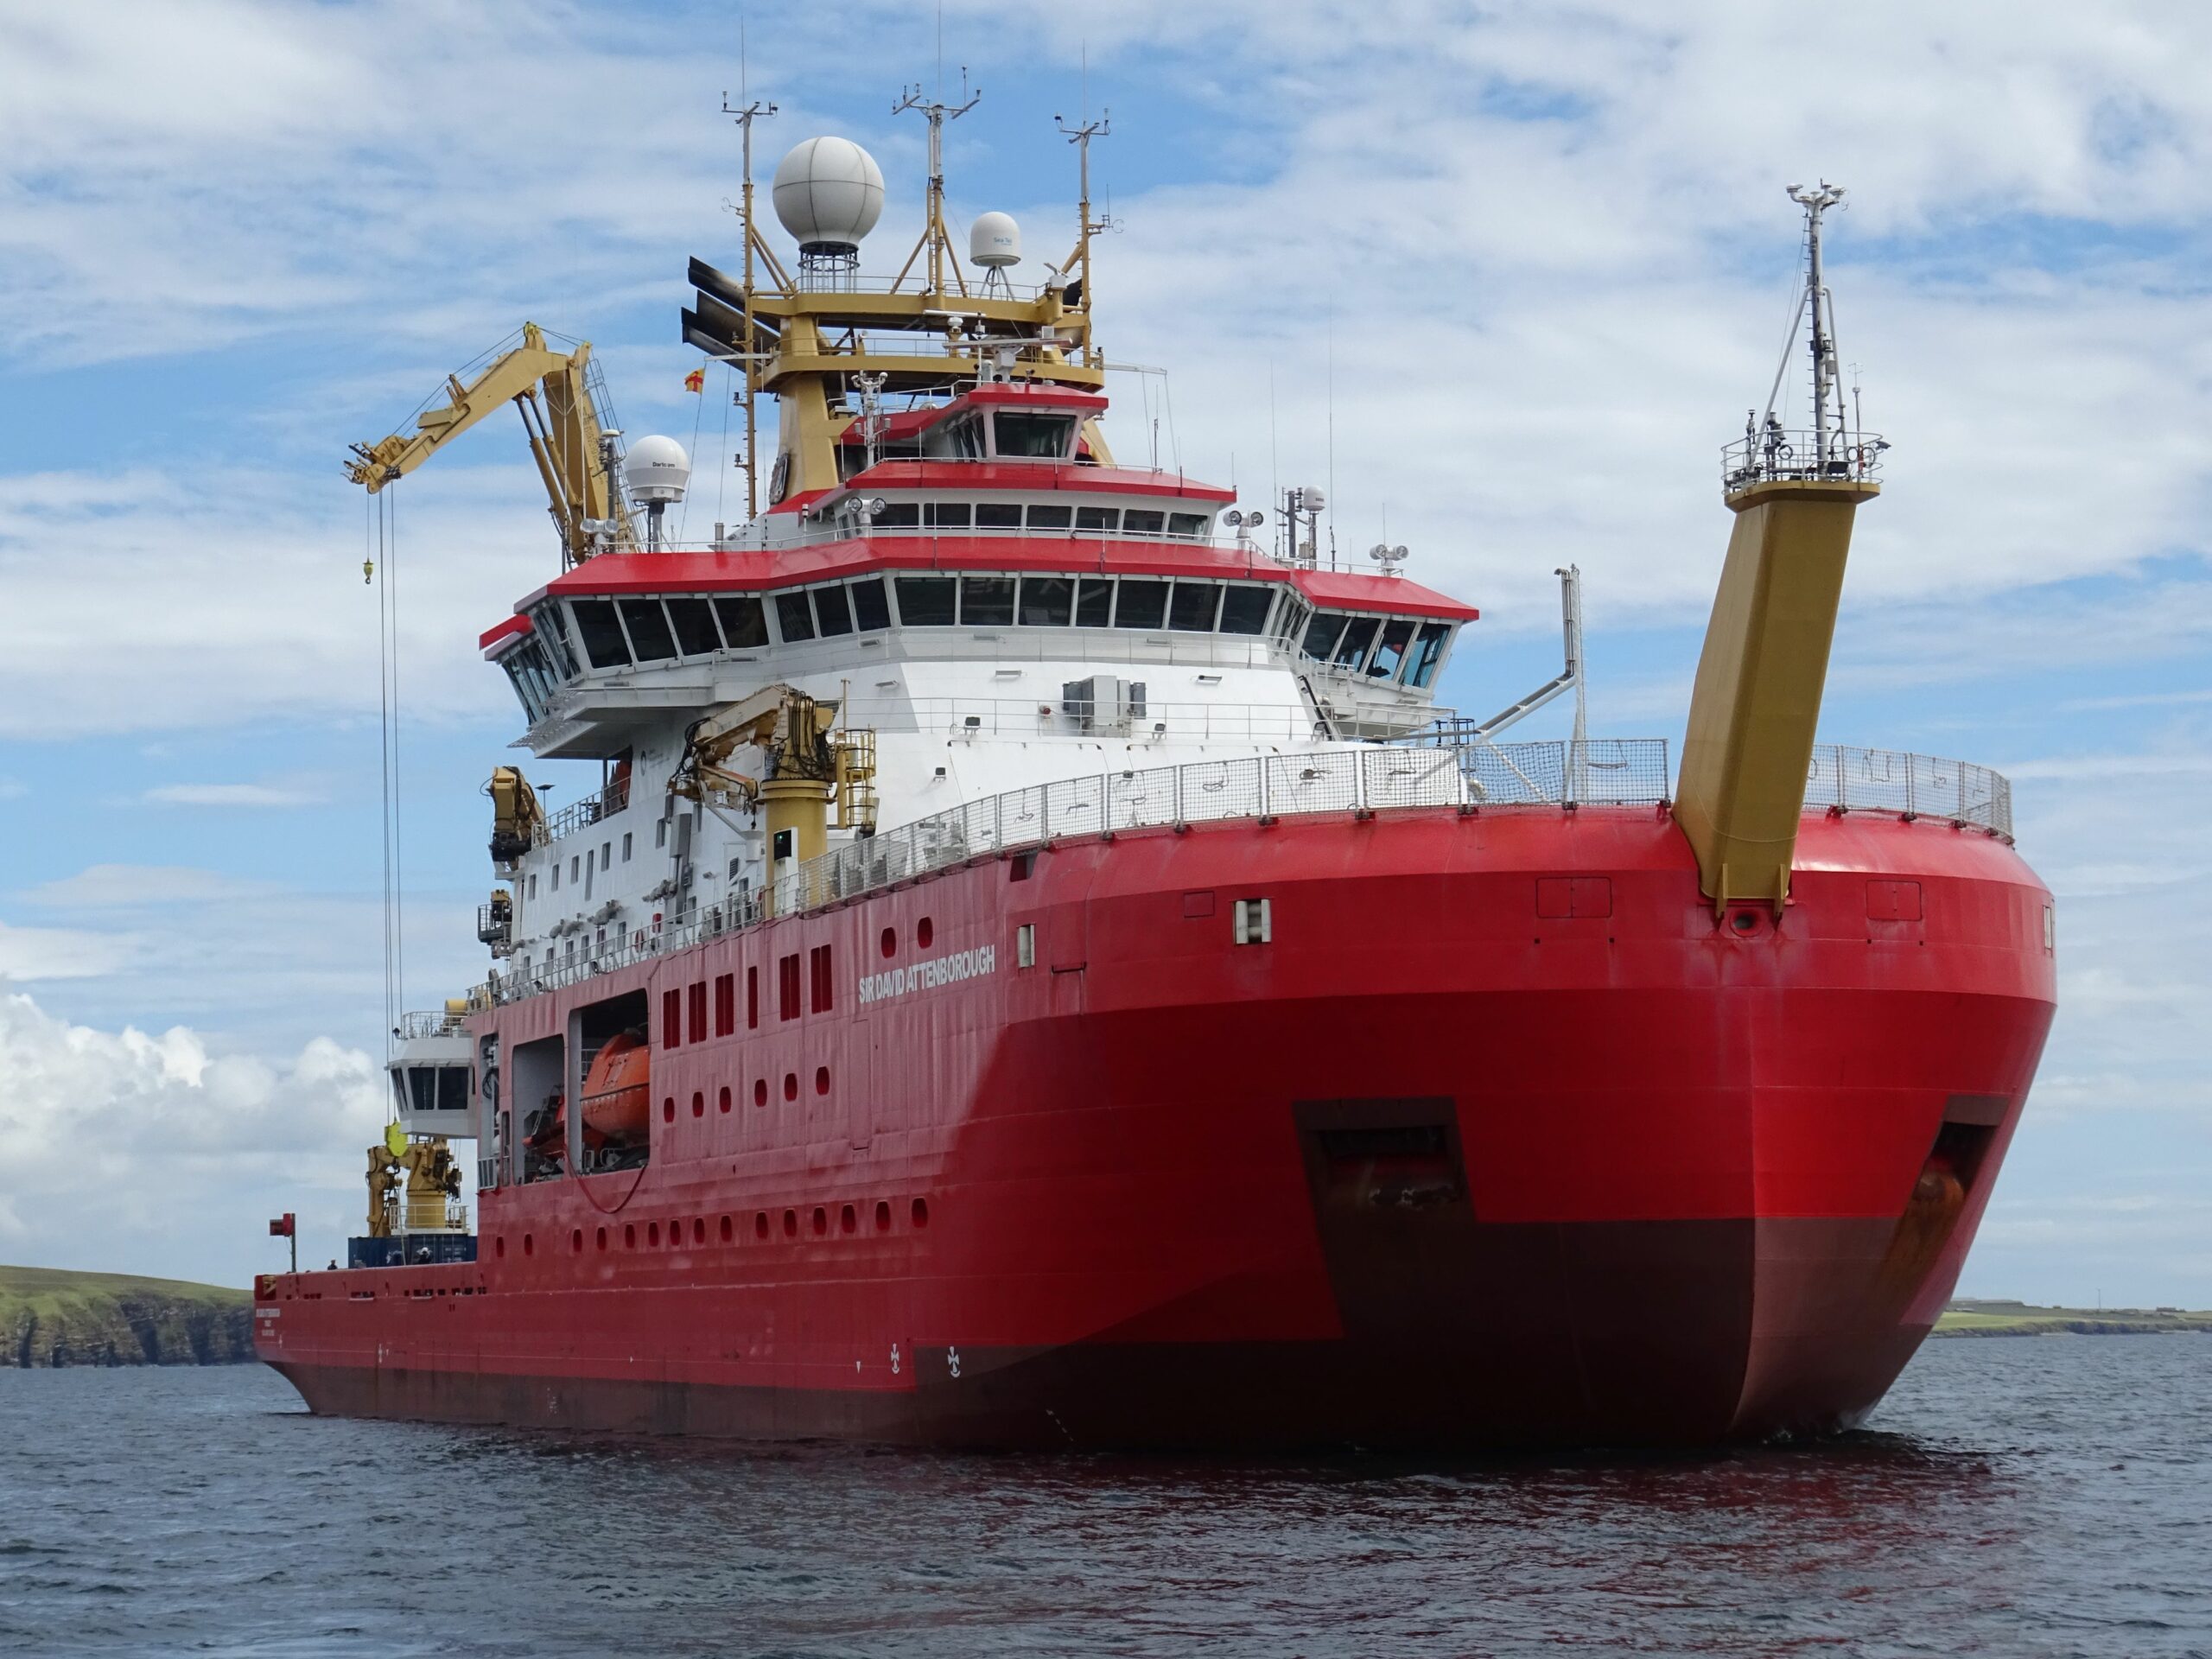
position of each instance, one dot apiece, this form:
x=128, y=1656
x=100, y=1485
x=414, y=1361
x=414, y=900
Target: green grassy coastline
x=1969, y=1318
x=50, y=1317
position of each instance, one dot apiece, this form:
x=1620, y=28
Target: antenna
x=1080, y=135
x=1820, y=343
x=935, y=237
x=744, y=112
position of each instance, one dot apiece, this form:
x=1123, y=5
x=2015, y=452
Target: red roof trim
x=613, y=574
x=492, y=641
x=960, y=477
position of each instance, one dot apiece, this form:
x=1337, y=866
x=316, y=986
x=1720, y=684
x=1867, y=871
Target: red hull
x=1502, y=1138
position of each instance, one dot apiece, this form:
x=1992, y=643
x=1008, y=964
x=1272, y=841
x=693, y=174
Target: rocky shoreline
x=51, y=1318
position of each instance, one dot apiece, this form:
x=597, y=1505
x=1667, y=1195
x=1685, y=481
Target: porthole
x=790, y=1223
x=721, y=1101
x=821, y=1079
x=629, y=1236
x=921, y=1212
x=882, y=1216
x=890, y=943
x=821, y=1221
x=698, y=1103
x=760, y=1223
x=600, y=1239
x=499, y=1245
x=529, y=1244
x=729, y=1231
x=668, y=1110
x=848, y=1220
x=698, y=1230
x=790, y=1086
x=653, y=1234
x=576, y=1240
x=759, y=1091
x=924, y=933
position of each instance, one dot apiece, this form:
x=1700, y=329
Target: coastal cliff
x=51, y=1317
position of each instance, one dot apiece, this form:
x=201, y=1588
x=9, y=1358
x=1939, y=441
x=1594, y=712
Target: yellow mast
x=1760, y=676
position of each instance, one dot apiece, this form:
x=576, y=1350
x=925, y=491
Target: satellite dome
x=995, y=241
x=657, y=472
x=829, y=194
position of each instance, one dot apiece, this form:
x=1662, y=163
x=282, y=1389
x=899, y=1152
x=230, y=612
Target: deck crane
x=576, y=455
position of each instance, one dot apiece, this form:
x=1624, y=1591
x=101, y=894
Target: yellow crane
x=574, y=451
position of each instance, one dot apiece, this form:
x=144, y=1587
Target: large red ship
x=1039, y=970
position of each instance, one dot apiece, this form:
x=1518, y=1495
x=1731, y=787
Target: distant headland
x=1973, y=1317
x=51, y=1317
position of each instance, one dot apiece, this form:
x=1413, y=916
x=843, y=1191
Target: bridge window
x=601, y=631
x=1107, y=519
x=986, y=601
x=1192, y=609
x=948, y=515
x=998, y=515
x=897, y=515
x=1428, y=651
x=649, y=634
x=1390, y=652
x=744, y=625
x=1142, y=604
x=871, y=610
x=793, y=618
x=545, y=622
x=1047, y=601
x=1187, y=523
x=1351, y=650
x=1094, y=602
x=833, y=612
x=1050, y=517
x=1322, y=634
x=925, y=601
x=1244, y=609
x=1024, y=435
x=1143, y=521
x=960, y=438
x=694, y=621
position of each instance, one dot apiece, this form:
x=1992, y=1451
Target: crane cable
x=386, y=534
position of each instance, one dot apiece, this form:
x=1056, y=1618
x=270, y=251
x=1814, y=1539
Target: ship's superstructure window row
x=1059, y=519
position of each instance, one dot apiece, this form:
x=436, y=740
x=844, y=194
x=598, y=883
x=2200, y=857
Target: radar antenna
x=935, y=237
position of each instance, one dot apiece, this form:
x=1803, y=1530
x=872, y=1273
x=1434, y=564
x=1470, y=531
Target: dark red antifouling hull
x=1503, y=1137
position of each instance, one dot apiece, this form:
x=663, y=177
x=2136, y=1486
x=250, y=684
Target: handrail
x=1362, y=781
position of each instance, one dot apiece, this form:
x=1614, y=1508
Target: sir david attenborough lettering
x=928, y=975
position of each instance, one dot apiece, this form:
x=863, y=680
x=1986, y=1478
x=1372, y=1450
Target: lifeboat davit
x=618, y=1091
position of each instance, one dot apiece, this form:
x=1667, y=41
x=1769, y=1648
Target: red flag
x=695, y=381
x=282, y=1226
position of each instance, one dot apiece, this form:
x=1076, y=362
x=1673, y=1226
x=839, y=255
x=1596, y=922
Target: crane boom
x=551, y=390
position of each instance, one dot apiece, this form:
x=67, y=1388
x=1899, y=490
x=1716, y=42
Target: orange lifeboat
x=618, y=1091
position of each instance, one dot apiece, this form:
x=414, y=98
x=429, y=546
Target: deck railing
x=582, y=814
x=1363, y=781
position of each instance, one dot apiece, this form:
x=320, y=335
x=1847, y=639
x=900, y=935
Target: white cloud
x=235, y=794
x=32, y=953
x=124, y=1149
x=105, y=886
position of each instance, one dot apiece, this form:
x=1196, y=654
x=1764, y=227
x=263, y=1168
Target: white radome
x=995, y=241
x=829, y=194
x=657, y=471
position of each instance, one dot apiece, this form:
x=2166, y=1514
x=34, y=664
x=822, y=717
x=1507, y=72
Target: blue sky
x=1507, y=274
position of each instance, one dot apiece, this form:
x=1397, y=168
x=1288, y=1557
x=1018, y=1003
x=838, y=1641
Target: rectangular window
x=1254, y=924
x=1187, y=523
x=607, y=856
x=753, y=999
x=648, y=626
x=744, y=625
x=557, y=875
x=1024, y=436
x=1106, y=519
x=986, y=601
x=1322, y=634
x=601, y=632
x=699, y=1011
x=625, y=846
x=1244, y=609
x=833, y=612
x=672, y=1019
x=575, y=869
x=1428, y=651
x=820, y=990
x=1050, y=517
x=1139, y=521
x=925, y=601
x=1351, y=650
x=1046, y=601
x=694, y=621
x=787, y=987
x=948, y=515
x=725, y=1004
x=660, y=833
x=897, y=515
x=1025, y=945
x=998, y=515
x=1397, y=634
x=1193, y=606
x=1094, y=602
x=1141, y=605
x=871, y=610
x=794, y=618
